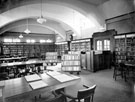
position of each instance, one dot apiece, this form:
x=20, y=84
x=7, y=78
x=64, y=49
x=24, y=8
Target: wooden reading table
x=16, y=65
x=19, y=87
x=33, y=62
x=13, y=58
x=131, y=66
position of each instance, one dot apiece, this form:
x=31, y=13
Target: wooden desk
x=130, y=64
x=19, y=86
x=21, y=63
x=131, y=67
x=12, y=58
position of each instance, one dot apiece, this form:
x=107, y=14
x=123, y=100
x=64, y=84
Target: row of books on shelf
x=120, y=53
x=120, y=57
x=70, y=57
x=128, y=60
x=51, y=57
x=74, y=52
x=71, y=68
x=51, y=61
x=119, y=61
x=130, y=53
x=130, y=49
x=66, y=63
x=51, y=53
x=125, y=53
x=119, y=49
x=130, y=44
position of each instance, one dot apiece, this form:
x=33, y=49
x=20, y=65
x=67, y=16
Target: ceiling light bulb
x=27, y=31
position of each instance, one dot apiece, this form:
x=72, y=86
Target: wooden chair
x=86, y=94
x=56, y=98
x=119, y=70
x=4, y=76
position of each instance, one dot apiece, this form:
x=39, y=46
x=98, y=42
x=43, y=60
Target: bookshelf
x=130, y=47
x=125, y=48
x=71, y=62
x=76, y=45
x=81, y=45
x=35, y=50
x=51, y=58
x=61, y=47
x=120, y=48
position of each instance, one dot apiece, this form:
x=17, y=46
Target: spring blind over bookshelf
x=71, y=62
x=51, y=57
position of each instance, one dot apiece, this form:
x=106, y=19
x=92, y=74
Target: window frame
x=105, y=44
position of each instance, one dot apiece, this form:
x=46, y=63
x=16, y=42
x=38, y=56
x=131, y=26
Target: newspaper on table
x=38, y=84
x=33, y=77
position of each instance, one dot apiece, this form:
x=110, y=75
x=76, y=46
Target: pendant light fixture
x=27, y=31
x=20, y=36
x=41, y=19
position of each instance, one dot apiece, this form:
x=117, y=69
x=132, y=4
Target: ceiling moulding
x=94, y=2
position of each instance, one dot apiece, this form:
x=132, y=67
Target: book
x=52, y=73
x=38, y=84
x=33, y=77
x=63, y=77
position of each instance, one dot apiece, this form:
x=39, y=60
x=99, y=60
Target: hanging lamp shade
x=41, y=19
x=27, y=31
x=20, y=36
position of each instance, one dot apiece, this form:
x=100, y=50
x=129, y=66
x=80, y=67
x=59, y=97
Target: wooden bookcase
x=76, y=45
x=81, y=45
x=125, y=47
x=120, y=48
x=71, y=62
x=61, y=47
x=35, y=50
x=130, y=47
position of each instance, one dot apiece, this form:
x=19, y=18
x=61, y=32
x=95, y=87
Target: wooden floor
x=108, y=90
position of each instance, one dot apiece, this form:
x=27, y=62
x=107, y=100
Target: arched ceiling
x=50, y=27
x=80, y=16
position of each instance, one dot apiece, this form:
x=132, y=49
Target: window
x=99, y=45
x=103, y=44
x=106, y=44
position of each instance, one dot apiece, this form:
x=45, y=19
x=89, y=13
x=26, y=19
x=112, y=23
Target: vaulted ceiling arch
x=56, y=9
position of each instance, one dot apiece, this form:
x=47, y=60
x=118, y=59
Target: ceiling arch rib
x=51, y=25
x=79, y=5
